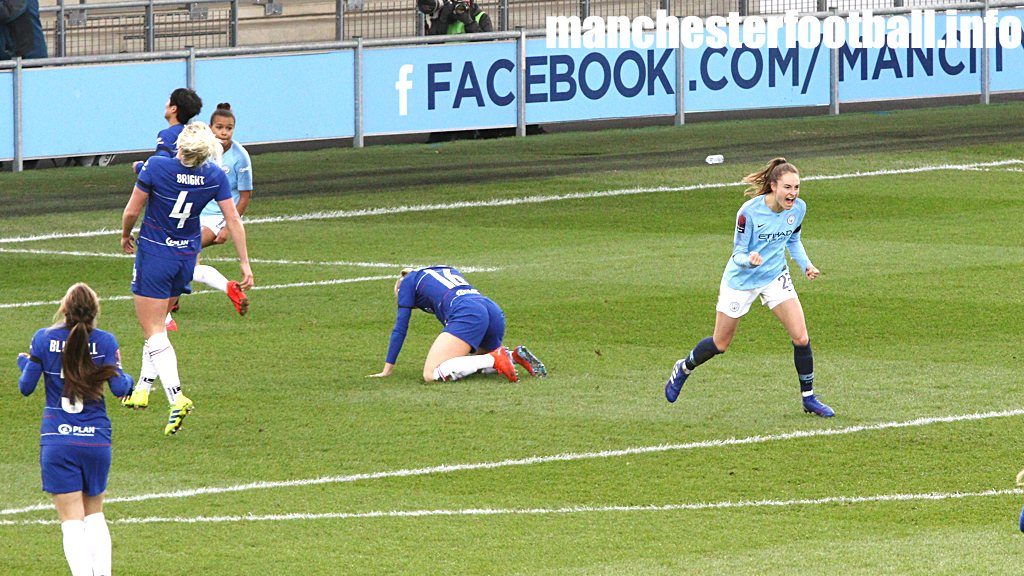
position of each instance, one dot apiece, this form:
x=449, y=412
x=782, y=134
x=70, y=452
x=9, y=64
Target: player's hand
x=383, y=373
x=812, y=272
x=222, y=236
x=22, y=360
x=247, y=280
x=128, y=244
x=755, y=259
x=137, y=165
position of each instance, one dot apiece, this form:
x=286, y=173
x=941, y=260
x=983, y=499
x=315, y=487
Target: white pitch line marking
x=387, y=211
x=268, y=287
x=354, y=264
x=721, y=505
x=568, y=457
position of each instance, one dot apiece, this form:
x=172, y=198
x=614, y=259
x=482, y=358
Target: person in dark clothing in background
x=455, y=17
x=21, y=33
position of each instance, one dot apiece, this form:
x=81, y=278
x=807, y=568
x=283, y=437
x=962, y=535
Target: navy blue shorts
x=156, y=277
x=476, y=321
x=75, y=469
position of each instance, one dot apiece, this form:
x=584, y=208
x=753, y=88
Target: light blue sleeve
x=243, y=170
x=741, y=240
x=796, y=247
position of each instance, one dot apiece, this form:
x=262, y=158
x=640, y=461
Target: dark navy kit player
x=75, y=359
x=181, y=106
x=474, y=327
x=174, y=192
x=767, y=226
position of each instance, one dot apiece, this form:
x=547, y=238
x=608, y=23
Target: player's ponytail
x=197, y=144
x=83, y=379
x=761, y=181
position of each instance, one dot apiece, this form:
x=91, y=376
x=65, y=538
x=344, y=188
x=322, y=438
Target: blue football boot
x=814, y=406
x=675, y=382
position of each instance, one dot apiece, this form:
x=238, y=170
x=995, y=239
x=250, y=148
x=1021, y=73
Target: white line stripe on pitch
x=386, y=211
x=447, y=468
x=721, y=505
x=354, y=264
x=268, y=287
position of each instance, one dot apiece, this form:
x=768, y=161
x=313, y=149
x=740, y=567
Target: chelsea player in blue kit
x=766, y=226
x=238, y=168
x=474, y=327
x=174, y=192
x=181, y=107
x=75, y=358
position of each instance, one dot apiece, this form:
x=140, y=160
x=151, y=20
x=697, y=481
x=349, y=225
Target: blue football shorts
x=75, y=468
x=477, y=321
x=156, y=277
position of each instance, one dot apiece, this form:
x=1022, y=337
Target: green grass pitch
x=916, y=315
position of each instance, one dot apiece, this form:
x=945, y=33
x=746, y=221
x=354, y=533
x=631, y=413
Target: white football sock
x=98, y=536
x=76, y=548
x=168, y=319
x=462, y=366
x=211, y=277
x=148, y=374
x=166, y=363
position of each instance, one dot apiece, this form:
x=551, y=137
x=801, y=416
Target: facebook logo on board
x=404, y=85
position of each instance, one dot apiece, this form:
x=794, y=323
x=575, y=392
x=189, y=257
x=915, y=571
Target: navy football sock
x=804, y=360
x=704, y=350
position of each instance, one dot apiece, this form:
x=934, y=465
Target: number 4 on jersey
x=181, y=211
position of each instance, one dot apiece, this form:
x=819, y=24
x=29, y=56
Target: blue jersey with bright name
x=238, y=168
x=431, y=289
x=167, y=141
x=177, y=194
x=66, y=422
x=759, y=229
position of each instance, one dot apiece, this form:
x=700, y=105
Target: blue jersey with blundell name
x=66, y=422
x=759, y=229
x=177, y=194
x=431, y=289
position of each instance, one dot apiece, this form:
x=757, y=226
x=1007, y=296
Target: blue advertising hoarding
x=566, y=84
x=282, y=98
x=7, y=121
x=433, y=88
x=1007, y=64
x=95, y=109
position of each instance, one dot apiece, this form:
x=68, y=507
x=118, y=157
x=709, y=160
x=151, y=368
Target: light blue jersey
x=770, y=234
x=238, y=168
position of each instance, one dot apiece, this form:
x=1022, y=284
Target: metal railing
x=138, y=26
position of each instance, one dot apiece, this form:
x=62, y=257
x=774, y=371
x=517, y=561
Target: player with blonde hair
x=474, y=327
x=174, y=192
x=767, y=226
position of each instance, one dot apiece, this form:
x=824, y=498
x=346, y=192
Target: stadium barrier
x=110, y=104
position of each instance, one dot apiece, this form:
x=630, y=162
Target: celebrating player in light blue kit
x=174, y=191
x=766, y=226
x=75, y=358
x=474, y=327
x=238, y=168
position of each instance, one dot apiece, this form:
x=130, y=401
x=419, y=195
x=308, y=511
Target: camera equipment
x=460, y=7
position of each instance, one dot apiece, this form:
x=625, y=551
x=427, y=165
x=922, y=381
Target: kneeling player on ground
x=474, y=327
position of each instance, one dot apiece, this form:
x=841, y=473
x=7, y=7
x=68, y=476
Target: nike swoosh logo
x=759, y=226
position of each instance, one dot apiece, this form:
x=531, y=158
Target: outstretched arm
x=398, y=334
